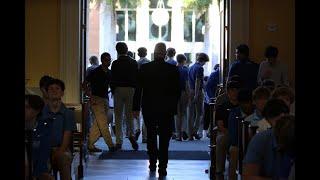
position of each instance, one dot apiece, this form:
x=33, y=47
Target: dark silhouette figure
x=157, y=95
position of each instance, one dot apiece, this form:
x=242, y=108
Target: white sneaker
x=204, y=134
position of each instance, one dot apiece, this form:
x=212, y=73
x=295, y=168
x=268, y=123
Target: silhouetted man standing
x=157, y=95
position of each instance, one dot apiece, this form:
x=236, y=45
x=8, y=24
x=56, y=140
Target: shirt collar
x=62, y=110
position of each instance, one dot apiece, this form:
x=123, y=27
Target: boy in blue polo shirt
x=197, y=95
x=260, y=96
x=271, y=153
x=63, y=123
x=37, y=135
x=171, y=52
x=236, y=115
x=183, y=101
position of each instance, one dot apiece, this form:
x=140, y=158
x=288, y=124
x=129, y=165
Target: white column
x=107, y=31
x=177, y=26
x=142, y=24
x=212, y=35
x=70, y=49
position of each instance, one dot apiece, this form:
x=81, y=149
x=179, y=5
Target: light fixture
x=160, y=16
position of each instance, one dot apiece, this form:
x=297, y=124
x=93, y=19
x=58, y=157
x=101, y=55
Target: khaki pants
x=195, y=113
x=233, y=150
x=182, y=113
x=62, y=163
x=221, y=151
x=123, y=99
x=99, y=126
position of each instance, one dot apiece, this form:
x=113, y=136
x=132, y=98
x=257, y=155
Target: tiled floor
x=196, y=145
x=116, y=169
x=138, y=170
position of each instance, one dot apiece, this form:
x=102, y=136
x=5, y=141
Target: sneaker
x=184, y=135
x=134, y=143
x=94, y=149
x=118, y=147
x=179, y=138
x=144, y=140
x=174, y=136
x=197, y=136
x=137, y=134
x=112, y=149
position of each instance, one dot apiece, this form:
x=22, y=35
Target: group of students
x=49, y=125
x=259, y=95
x=262, y=108
x=163, y=91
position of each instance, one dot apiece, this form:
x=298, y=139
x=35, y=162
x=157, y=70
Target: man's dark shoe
x=134, y=143
x=162, y=172
x=137, y=134
x=174, y=136
x=197, y=136
x=94, y=149
x=152, y=168
x=191, y=138
x=112, y=149
x=184, y=135
x=118, y=147
x=219, y=176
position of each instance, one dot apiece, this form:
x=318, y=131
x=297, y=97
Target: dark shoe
x=137, y=134
x=174, y=136
x=94, y=149
x=219, y=176
x=152, y=168
x=112, y=149
x=208, y=135
x=118, y=147
x=162, y=172
x=144, y=140
x=179, y=139
x=134, y=143
x=184, y=135
x=197, y=136
x=191, y=138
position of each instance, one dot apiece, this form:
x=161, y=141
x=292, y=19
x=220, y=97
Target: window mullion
x=193, y=26
x=126, y=25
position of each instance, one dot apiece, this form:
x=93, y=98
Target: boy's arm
x=66, y=141
x=199, y=81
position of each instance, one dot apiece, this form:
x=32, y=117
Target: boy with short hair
x=183, y=100
x=286, y=94
x=221, y=118
x=63, y=124
x=260, y=97
x=245, y=108
x=273, y=110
